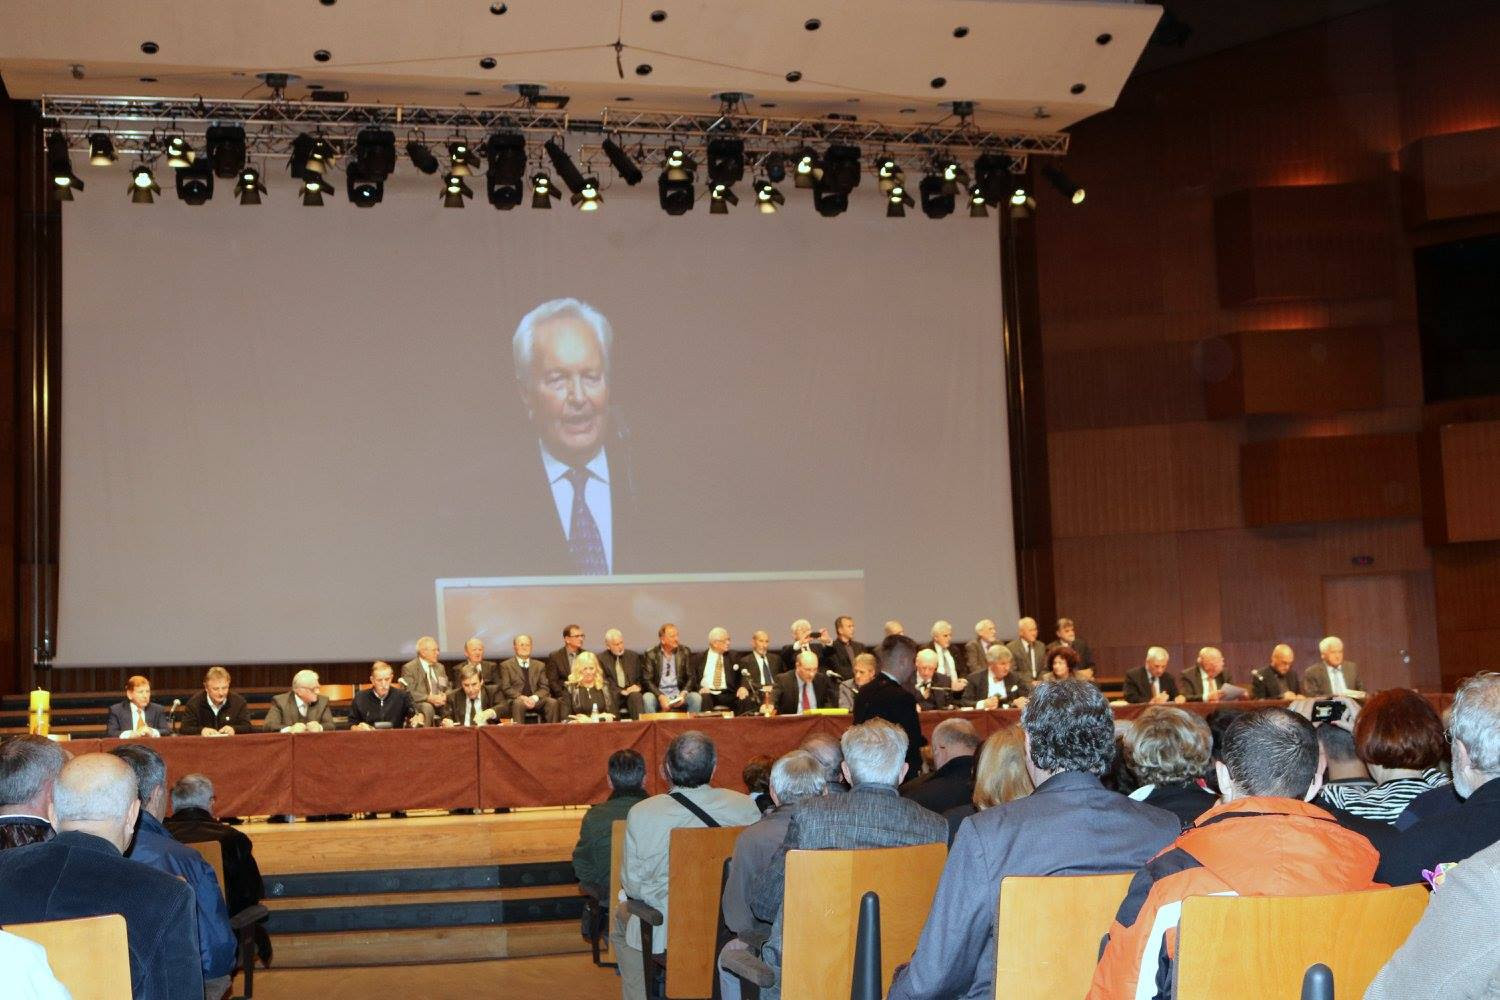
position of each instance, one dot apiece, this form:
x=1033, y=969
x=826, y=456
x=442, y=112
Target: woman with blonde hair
x=1000, y=776
x=589, y=698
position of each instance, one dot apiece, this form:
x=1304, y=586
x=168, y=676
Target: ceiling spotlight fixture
x=462, y=160
x=249, y=187
x=775, y=167
x=720, y=197
x=890, y=174
x=937, y=201
x=1019, y=196
x=563, y=163
x=226, y=149
x=808, y=169
x=313, y=187
x=195, y=184
x=143, y=187
x=587, y=198
x=506, y=177
x=726, y=161
x=455, y=191
x=623, y=164
x=675, y=185
x=1064, y=184
x=296, y=163
x=543, y=191
x=179, y=153
x=897, y=201
x=374, y=161
x=321, y=155
x=767, y=198
x=421, y=156
x=955, y=178
x=101, y=149
x=839, y=175
x=978, y=207
x=993, y=173
x=60, y=168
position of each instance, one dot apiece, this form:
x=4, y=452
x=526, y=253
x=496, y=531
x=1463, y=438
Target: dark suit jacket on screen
x=283, y=713
x=1138, y=685
x=119, y=719
x=201, y=715
x=786, y=695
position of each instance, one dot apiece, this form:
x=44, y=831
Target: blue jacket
x=154, y=846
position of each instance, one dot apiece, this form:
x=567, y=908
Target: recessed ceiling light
x=1104, y=39
x=962, y=31
x=1077, y=88
x=472, y=93
x=499, y=8
x=644, y=69
x=488, y=62
x=322, y=55
x=658, y=16
x=908, y=111
x=938, y=82
x=622, y=100
x=812, y=24
x=328, y=3
x=794, y=76
x=768, y=104
x=150, y=48
x=852, y=100
x=148, y=79
x=314, y=86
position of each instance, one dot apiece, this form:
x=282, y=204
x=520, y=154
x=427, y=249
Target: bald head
x=96, y=793
x=1281, y=658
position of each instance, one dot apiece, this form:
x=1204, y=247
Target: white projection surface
x=297, y=434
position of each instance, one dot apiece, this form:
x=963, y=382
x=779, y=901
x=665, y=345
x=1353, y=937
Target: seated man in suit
x=29, y=766
x=844, y=648
x=758, y=671
x=1206, y=681
x=1278, y=680
x=154, y=846
x=489, y=670
x=955, y=746
x=803, y=688
x=561, y=662
x=82, y=872
x=380, y=705
x=136, y=716
x=668, y=666
x=192, y=822
x=1150, y=682
x=625, y=672
x=803, y=637
x=948, y=664
x=1000, y=685
x=929, y=687
x=474, y=703
x=1067, y=635
x=1027, y=651
x=525, y=684
x=426, y=680
x=974, y=649
x=216, y=710
x=711, y=674
x=300, y=710
x=1332, y=675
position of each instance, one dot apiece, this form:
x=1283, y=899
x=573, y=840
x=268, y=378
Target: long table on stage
x=259, y=774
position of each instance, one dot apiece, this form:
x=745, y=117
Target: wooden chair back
x=337, y=693
x=1362, y=931
x=88, y=955
x=821, y=912
x=213, y=853
x=696, y=857
x=1048, y=931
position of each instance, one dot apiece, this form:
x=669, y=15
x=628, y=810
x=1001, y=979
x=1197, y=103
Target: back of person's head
x=29, y=766
x=1070, y=727
x=1271, y=752
x=627, y=771
x=1000, y=774
x=958, y=736
x=1476, y=721
x=149, y=769
x=1168, y=746
x=691, y=759
x=829, y=753
x=1399, y=729
x=757, y=773
x=1219, y=721
x=897, y=655
x=96, y=793
x=1337, y=743
x=874, y=752
x=193, y=791
x=797, y=775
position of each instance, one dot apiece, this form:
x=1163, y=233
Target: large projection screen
x=298, y=434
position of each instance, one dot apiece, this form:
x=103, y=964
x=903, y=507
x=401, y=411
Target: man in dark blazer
x=1279, y=680
x=711, y=673
x=985, y=634
x=1070, y=741
x=930, y=688
x=192, y=822
x=803, y=637
x=880, y=697
x=425, y=679
x=489, y=670
x=804, y=678
x=1332, y=674
x=758, y=669
x=669, y=665
x=137, y=715
x=950, y=658
x=1205, y=680
x=560, y=661
x=999, y=685
x=216, y=710
x=1027, y=651
x=302, y=709
x=82, y=872
x=625, y=673
x=1150, y=682
x=473, y=702
x=955, y=746
x=526, y=683
x=381, y=702
x=1067, y=635
x=29, y=766
x=841, y=652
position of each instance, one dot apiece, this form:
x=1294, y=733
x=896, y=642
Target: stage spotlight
x=992, y=172
x=143, y=186
x=226, y=149
x=808, y=169
x=101, y=149
x=775, y=166
x=978, y=206
x=374, y=161
x=890, y=174
x=586, y=198
x=830, y=203
x=675, y=185
x=364, y=190
x=321, y=156
x=195, y=184
x=455, y=191
x=937, y=201
x=543, y=191
x=421, y=157
x=249, y=187
x=1019, y=195
x=955, y=178
x=564, y=165
x=767, y=198
x=897, y=201
x=462, y=160
x=726, y=161
x=313, y=187
x=506, y=176
x=60, y=168
x=179, y=153
x=837, y=175
x=720, y=197
x=1063, y=183
x=296, y=163
x=623, y=164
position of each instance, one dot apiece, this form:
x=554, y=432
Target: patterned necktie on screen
x=584, y=543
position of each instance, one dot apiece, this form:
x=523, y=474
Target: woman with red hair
x=1399, y=736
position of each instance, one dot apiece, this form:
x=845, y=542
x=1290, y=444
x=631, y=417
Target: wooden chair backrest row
x=1048, y=931
x=88, y=955
x=213, y=853
x=821, y=911
x=616, y=855
x=696, y=857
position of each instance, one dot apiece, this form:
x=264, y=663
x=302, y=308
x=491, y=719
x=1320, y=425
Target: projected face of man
x=567, y=390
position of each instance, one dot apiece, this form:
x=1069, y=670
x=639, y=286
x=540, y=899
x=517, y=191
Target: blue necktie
x=584, y=543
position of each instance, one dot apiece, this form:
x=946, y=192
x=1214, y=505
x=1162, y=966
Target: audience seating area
x=88, y=955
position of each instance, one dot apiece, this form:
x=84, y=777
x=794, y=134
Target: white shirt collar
x=598, y=466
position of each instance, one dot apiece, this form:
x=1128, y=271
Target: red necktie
x=806, y=697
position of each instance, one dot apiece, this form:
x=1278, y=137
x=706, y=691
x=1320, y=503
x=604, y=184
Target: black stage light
x=296, y=163
x=421, y=156
x=937, y=201
x=226, y=149
x=313, y=187
x=897, y=201
x=60, y=168
x=808, y=170
x=543, y=191
x=838, y=175
x=890, y=174
x=455, y=191
x=955, y=178
x=101, y=149
x=374, y=160
x=587, y=198
x=775, y=167
x=364, y=189
x=179, y=153
x=726, y=161
x=992, y=172
x=506, y=177
x=1064, y=184
x=462, y=160
x=830, y=203
x=195, y=184
x=978, y=205
x=566, y=169
x=623, y=164
x=767, y=198
x=143, y=186
x=675, y=185
x=321, y=156
x=720, y=197
x=249, y=187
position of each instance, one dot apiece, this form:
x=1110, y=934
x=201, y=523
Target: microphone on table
x=172, y=714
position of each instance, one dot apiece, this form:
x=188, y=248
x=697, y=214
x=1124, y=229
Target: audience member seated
x=880, y=697
x=758, y=671
x=154, y=846
x=1448, y=955
x=1067, y=635
x=473, y=703
x=948, y=665
x=712, y=674
x=489, y=670
x=691, y=802
x=1071, y=825
x=930, y=688
x=1062, y=663
x=803, y=688
x=1332, y=675
x=136, y=716
x=1263, y=839
x=29, y=766
x=1150, y=683
x=1000, y=685
x=425, y=680
x=1027, y=651
x=667, y=664
x=1000, y=776
x=1451, y=837
x=873, y=814
x=28, y=976
x=795, y=778
x=1168, y=750
x=300, y=710
x=216, y=710
x=1345, y=775
x=627, y=786
x=951, y=781
x=589, y=698
x=625, y=672
x=757, y=778
x=1219, y=720
x=1206, y=680
x=1399, y=737
x=1279, y=680
x=192, y=822
x=82, y=872
x=830, y=753
x=525, y=686
x=381, y=706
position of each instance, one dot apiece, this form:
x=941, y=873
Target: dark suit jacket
x=367, y=708
x=1315, y=682
x=18, y=831
x=949, y=786
x=841, y=660
x=1138, y=685
x=1192, y=682
x=883, y=698
x=582, y=700
x=749, y=671
x=557, y=665
x=974, y=655
x=201, y=715
x=1084, y=650
x=283, y=713
x=1448, y=836
x=243, y=885
x=699, y=669
x=513, y=686
x=1266, y=684
x=414, y=679
x=119, y=719
x=789, y=656
x=785, y=696
x=939, y=697
x=630, y=664
x=489, y=672
x=489, y=697
x=955, y=651
x=652, y=667
x=1021, y=666
x=977, y=686
x=79, y=875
